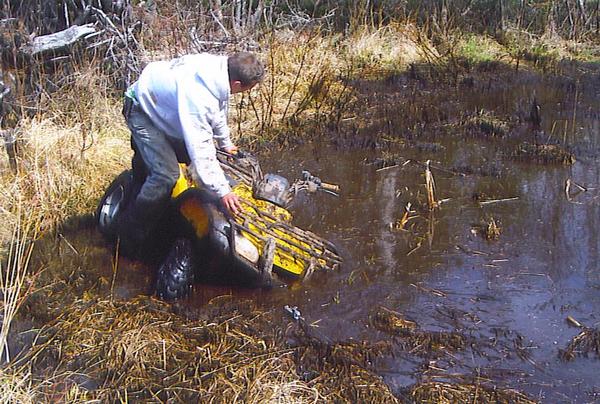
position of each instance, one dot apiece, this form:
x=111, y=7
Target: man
x=175, y=112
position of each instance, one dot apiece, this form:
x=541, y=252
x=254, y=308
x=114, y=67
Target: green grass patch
x=479, y=49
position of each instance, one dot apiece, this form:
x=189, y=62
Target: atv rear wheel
x=176, y=273
x=113, y=203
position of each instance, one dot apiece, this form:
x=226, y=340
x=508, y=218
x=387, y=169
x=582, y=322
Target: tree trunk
x=502, y=16
x=551, y=29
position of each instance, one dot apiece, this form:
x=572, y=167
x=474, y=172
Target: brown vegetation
x=442, y=393
x=543, y=154
x=414, y=340
x=586, y=343
x=141, y=349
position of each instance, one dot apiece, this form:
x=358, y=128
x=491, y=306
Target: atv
x=259, y=247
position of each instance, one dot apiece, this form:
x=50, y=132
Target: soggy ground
x=508, y=297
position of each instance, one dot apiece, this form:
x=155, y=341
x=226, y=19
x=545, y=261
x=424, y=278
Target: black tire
x=113, y=202
x=176, y=274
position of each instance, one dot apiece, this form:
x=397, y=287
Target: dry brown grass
x=389, y=49
x=446, y=393
x=586, y=343
x=64, y=165
x=142, y=350
x=16, y=387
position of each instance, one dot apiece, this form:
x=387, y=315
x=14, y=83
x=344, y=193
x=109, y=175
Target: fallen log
x=58, y=42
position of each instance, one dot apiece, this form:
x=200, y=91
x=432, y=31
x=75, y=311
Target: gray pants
x=156, y=164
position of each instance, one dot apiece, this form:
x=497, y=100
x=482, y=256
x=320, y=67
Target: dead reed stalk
x=13, y=273
x=430, y=187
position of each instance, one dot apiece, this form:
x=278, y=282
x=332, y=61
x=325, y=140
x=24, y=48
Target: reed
x=14, y=272
x=432, y=203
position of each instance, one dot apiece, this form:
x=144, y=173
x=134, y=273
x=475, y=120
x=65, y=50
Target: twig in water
x=405, y=218
x=573, y=322
x=515, y=198
x=387, y=168
x=115, y=267
x=69, y=244
x=580, y=188
x=434, y=292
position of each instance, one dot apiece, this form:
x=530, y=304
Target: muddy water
x=514, y=291
x=511, y=296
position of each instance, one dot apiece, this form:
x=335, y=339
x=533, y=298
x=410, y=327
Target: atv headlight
x=245, y=248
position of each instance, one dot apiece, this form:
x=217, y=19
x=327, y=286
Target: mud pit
x=455, y=306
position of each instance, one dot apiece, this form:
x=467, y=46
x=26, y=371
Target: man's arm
x=198, y=136
x=221, y=132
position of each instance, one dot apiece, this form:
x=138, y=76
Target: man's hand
x=231, y=202
x=231, y=149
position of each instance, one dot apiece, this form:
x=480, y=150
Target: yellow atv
x=254, y=248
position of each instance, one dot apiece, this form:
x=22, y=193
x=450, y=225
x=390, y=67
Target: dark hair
x=245, y=68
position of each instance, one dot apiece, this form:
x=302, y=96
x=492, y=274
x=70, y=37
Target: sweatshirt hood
x=215, y=76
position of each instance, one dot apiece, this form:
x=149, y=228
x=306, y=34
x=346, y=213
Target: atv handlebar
x=307, y=182
x=313, y=184
x=330, y=187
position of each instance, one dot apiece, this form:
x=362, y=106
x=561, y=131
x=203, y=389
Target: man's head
x=245, y=71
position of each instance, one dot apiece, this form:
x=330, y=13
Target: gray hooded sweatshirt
x=187, y=99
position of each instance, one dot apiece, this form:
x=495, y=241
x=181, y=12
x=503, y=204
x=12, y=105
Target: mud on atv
x=256, y=248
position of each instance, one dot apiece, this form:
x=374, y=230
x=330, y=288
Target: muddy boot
x=132, y=235
x=135, y=227
x=139, y=223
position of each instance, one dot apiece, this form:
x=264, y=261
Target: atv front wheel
x=113, y=203
x=176, y=273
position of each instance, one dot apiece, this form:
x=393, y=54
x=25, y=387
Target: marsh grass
x=15, y=271
x=476, y=49
x=446, y=393
x=67, y=156
x=385, y=50
x=485, y=124
x=543, y=154
x=411, y=338
x=586, y=343
x=16, y=387
x=15, y=283
x=142, y=350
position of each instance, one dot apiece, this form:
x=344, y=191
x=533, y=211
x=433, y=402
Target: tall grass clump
x=67, y=155
x=385, y=50
x=303, y=83
x=309, y=78
x=14, y=271
x=15, y=281
x=479, y=49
